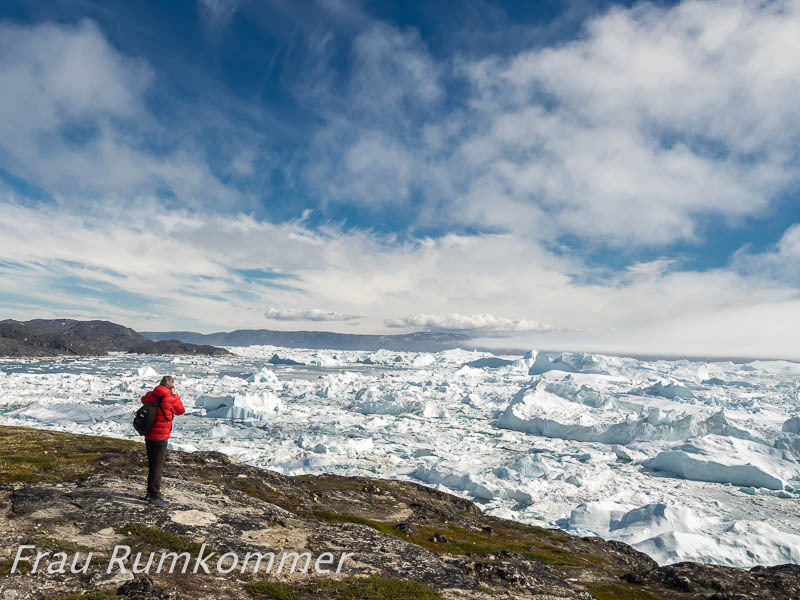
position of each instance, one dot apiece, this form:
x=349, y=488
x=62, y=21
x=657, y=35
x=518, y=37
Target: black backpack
x=145, y=417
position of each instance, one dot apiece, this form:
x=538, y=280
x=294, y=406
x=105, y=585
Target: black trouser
x=156, y=453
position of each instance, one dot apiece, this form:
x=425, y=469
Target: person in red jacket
x=169, y=404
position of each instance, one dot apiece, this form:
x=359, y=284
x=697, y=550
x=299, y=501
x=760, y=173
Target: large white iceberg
x=570, y=362
x=259, y=405
x=721, y=459
x=672, y=534
x=540, y=411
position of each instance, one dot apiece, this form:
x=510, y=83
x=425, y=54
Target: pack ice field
x=684, y=460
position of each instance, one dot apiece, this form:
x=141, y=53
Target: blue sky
x=578, y=175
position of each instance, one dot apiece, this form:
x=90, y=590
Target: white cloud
x=471, y=323
x=651, y=269
x=78, y=126
x=313, y=314
x=185, y=265
x=778, y=263
x=655, y=121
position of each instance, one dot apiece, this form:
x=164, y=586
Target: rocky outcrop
x=387, y=539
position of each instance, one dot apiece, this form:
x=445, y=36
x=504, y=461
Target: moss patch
x=88, y=596
x=57, y=545
x=616, y=591
x=23, y=568
x=386, y=528
x=161, y=539
x=463, y=541
x=273, y=590
x=259, y=489
x=351, y=588
x=23, y=457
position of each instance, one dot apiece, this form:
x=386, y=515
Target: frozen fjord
x=684, y=460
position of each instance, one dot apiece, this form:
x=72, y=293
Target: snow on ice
x=684, y=460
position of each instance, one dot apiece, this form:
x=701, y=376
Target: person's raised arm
x=177, y=408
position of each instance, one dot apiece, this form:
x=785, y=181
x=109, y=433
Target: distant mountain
x=412, y=342
x=68, y=337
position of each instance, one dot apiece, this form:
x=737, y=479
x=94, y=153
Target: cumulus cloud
x=471, y=323
x=652, y=122
x=780, y=262
x=313, y=314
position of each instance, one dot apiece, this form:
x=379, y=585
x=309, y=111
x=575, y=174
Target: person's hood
x=162, y=391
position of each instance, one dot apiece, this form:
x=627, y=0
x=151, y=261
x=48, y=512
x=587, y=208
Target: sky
x=573, y=175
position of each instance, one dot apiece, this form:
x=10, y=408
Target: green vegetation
x=23, y=568
x=55, y=545
x=88, y=596
x=351, y=588
x=67, y=456
x=481, y=543
x=386, y=528
x=161, y=538
x=617, y=591
x=258, y=489
x=273, y=590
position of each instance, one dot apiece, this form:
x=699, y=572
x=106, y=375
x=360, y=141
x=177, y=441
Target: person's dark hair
x=168, y=381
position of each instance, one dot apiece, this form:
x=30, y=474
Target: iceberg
x=539, y=411
x=673, y=534
x=720, y=459
x=791, y=425
x=260, y=405
x=146, y=372
x=667, y=389
x=569, y=362
x=372, y=401
x=265, y=375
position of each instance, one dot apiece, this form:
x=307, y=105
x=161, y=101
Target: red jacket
x=170, y=406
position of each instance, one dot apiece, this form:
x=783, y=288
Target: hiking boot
x=157, y=501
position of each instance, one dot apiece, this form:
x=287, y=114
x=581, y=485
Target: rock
x=101, y=578
x=404, y=528
x=143, y=588
x=694, y=580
